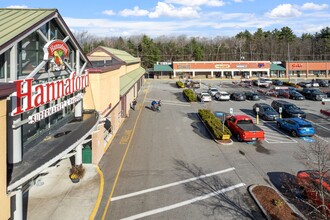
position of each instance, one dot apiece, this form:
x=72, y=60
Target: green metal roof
x=277, y=67
x=162, y=68
x=13, y=22
x=129, y=79
x=122, y=55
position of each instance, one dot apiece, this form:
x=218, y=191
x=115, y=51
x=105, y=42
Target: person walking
x=134, y=104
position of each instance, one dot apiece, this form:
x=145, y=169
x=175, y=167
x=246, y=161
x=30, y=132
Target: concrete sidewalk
x=56, y=197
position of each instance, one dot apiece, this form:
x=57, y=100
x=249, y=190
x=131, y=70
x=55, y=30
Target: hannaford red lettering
x=29, y=97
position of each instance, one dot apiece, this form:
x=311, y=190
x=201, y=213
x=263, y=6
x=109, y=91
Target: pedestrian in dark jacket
x=134, y=104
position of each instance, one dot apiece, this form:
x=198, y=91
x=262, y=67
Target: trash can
x=87, y=154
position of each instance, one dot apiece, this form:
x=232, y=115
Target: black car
x=322, y=82
x=313, y=94
x=252, y=96
x=237, y=96
x=296, y=95
x=266, y=112
x=277, y=82
x=289, y=110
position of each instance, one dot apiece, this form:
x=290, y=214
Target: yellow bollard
x=257, y=119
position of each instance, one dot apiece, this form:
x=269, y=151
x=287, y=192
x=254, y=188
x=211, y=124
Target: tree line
x=276, y=45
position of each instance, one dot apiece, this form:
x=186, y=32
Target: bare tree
x=316, y=156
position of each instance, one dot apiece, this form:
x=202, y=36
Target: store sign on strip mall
x=30, y=96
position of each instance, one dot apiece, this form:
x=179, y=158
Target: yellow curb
x=99, y=196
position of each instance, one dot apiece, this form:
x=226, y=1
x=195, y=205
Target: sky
x=195, y=18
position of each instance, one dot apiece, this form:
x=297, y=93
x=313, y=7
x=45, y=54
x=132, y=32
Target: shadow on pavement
x=237, y=205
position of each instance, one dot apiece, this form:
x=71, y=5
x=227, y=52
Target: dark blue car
x=296, y=126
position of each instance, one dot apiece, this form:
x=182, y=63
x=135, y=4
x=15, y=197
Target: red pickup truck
x=244, y=128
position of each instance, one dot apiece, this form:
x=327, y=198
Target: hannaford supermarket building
x=239, y=69
x=53, y=104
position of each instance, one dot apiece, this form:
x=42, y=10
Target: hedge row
x=180, y=84
x=214, y=124
x=189, y=95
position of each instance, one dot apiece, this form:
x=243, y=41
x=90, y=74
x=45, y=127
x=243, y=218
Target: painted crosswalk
x=275, y=136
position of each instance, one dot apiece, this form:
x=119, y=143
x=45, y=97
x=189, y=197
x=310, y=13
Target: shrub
x=180, y=84
x=214, y=124
x=189, y=95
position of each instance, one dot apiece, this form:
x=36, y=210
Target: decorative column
x=78, y=155
x=193, y=72
x=78, y=107
x=18, y=213
x=212, y=74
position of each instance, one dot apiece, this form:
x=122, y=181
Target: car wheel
x=278, y=125
x=238, y=138
x=294, y=133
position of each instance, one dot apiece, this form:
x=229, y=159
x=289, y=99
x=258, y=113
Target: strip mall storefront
x=219, y=69
x=307, y=69
x=46, y=122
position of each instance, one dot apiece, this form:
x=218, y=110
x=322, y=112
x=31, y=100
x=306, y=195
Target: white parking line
x=321, y=138
x=171, y=184
x=180, y=204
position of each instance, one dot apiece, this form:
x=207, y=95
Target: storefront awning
x=162, y=68
x=277, y=67
x=129, y=79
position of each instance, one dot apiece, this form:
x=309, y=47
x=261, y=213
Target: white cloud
x=237, y=0
x=284, y=11
x=135, y=12
x=108, y=12
x=17, y=6
x=312, y=6
x=168, y=10
x=215, y=3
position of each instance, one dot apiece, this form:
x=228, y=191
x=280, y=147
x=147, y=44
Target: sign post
x=280, y=111
x=257, y=110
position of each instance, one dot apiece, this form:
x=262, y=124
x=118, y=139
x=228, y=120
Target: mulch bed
x=273, y=204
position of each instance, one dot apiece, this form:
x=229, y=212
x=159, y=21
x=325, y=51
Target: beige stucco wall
x=104, y=88
x=4, y=199
x=133, y=67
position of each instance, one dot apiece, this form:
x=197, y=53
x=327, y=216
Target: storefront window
x=55, y=31
x=30, y=54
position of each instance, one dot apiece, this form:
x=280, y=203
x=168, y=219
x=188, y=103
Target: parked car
x=322, y=82
x=261, y=83
x=266, y=112
x=296, y=95
x=308, y=84
x=222, y=96
x=277, y=82
x=283, y=93
x=246, y=83
x=252, y=96
x=309, y=182
x=296, y=126
x=212, y=91
x=244, y=128
x=237, y=96
x=313, y=94
x=267, y=80
x=204, y=97
x=289, y=110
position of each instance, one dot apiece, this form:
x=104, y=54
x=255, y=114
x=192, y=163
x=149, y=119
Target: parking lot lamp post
x=280, y=111
x=257, y=110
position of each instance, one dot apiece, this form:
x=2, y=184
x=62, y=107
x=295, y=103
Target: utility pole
x=289, y=61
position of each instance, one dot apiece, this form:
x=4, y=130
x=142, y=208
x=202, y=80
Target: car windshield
x=306, y=126
x=244, y=122
x=268, y=109
x=291, y=107
x=214, y=89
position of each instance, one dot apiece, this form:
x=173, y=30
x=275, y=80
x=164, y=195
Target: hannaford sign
x=296, y=65
x=32, y=96
x=58, y=107
x=56, y=51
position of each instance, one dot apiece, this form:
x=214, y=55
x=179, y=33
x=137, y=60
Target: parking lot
x=173, y=165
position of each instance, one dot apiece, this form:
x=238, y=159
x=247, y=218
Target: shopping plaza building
x=55, y=103
x=240, y=69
